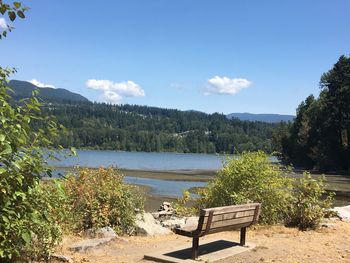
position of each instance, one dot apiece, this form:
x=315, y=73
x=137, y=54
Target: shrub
x=25, y=228
x=98, y=198
x=250, y=178
x=34, y=233
x=184, y=206
x=43, y=225
x=308, y=206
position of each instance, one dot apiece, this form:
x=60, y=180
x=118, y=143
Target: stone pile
x=165, y=211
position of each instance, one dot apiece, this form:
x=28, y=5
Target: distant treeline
x=150, y=129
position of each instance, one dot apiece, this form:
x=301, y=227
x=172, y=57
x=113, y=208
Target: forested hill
x=23, y=89
x=142, y=128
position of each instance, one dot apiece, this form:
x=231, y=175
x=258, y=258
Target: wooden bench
x=217, y=219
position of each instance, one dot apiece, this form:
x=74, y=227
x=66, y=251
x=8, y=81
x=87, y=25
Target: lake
x=143, y=160
x=147, y=161
x=165, y=162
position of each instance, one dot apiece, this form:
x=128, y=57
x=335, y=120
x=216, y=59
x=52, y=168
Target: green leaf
x=3, y=9
x=7, y=150
x=2, y=137
x=5, y=219
x=12, y=15
x=20, y=14
x=26, y=237
x=17, y=4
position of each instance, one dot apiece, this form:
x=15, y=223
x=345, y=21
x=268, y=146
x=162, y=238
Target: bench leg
x=195, y=243
x=243, y=232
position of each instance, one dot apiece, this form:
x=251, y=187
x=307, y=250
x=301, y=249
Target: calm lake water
x=143, y=160
x=164, y=187
x=147, y=161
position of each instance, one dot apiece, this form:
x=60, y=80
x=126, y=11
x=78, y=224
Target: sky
x=213, y=56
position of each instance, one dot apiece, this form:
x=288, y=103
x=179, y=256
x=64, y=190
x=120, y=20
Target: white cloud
x=225, y=85
x=115, y=91
x=40, y=84
x=3, y=23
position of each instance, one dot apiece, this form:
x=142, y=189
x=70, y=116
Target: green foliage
x=184, y=205
x=27, y=230
x=149, y=129
x=98, y=198
x=250, y=178
x=45, y=231
x=308, y=206
x=13, y=11
x=320, y=135
x=24, y=219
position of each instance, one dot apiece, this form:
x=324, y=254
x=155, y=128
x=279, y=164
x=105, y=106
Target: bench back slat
x=227, y=217
x=226, y=228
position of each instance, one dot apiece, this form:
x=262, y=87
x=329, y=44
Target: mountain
x=271, y=118
x=24, y=89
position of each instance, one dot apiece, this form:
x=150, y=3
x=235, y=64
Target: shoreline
x=188, y=175
x=339, y=184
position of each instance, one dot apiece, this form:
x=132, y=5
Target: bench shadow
x=203, y=249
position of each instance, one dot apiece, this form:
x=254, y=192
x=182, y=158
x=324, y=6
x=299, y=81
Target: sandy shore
x=176, y=175
x=274, y=244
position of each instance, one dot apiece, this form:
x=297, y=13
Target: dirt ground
x=273, y=244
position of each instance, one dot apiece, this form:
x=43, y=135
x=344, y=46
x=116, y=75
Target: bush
x=98, y=198
x=34, y=234
x=185, y=205
x=43, y=225
x=25, y=227
x=250, y=178
x=308, y=207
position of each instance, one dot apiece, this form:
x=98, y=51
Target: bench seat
x=218, y=219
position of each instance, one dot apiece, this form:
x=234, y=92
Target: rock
x=155, y=215
x=101, y=232
x=165, y=213
x=166, y=206
x=89, y=244
x=105, y=232
x=173, y=223
x=191, y=221
x=180, y=222
x=343, y=212
x=61, y=258
x=148, y=226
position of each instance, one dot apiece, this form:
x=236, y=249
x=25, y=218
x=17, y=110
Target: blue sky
x=211, y=56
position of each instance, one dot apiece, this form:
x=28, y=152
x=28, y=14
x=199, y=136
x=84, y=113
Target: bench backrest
x=217, y=219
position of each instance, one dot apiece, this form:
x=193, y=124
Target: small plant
x=99, y=197
x=184, y=205
x=309, y=202
x=250, y=178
